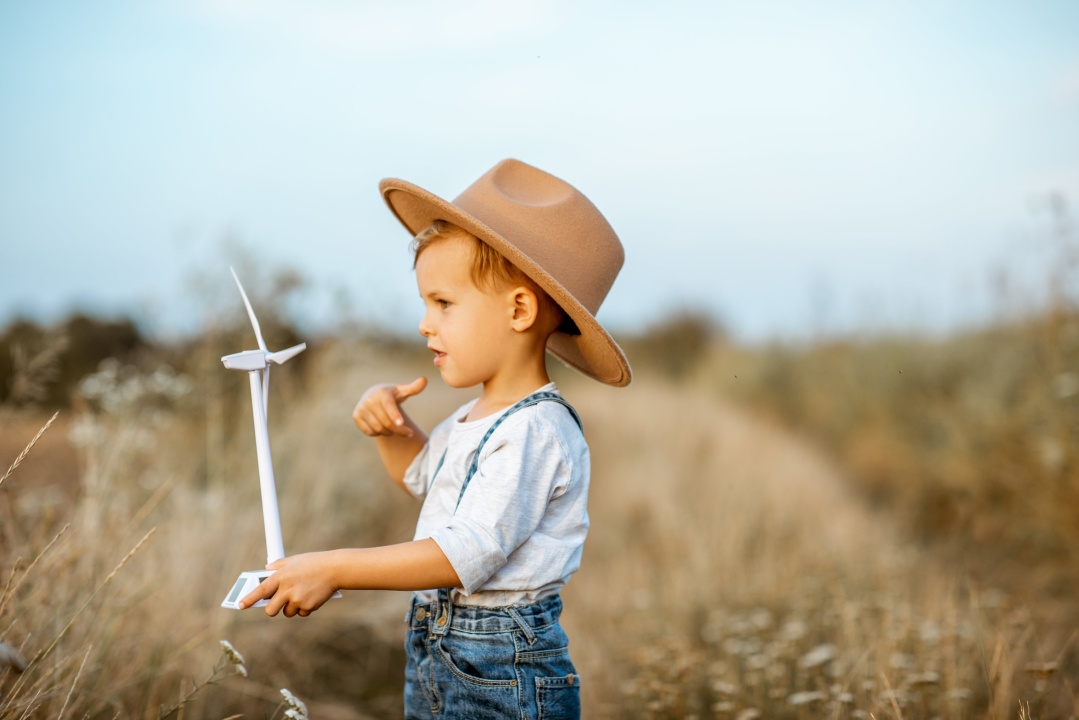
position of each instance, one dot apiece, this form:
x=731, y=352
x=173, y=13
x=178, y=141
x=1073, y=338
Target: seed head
x=10, y=657
x=232, y=654
x=925, y=678
x=805, y=698
x=295, y=704
x=820, y=655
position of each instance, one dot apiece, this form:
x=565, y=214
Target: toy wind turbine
x=256, y=363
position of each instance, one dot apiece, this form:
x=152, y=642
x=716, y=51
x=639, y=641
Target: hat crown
x=524, y=184
x=552, y=224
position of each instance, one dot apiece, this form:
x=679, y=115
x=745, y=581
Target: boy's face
x=467, y=328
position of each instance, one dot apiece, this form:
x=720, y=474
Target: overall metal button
x=421, y=614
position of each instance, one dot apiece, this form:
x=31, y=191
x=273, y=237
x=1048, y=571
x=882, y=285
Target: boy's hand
x=299, y=585
x=379, y=410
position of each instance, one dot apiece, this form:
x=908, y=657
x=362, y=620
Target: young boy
x=513, y=268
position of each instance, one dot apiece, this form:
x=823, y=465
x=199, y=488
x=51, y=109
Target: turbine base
x=248, y=581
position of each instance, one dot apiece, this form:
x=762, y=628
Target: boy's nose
x=425, y=327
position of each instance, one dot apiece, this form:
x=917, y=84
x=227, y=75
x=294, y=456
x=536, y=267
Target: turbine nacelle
x=250, y=360
x=254, y=360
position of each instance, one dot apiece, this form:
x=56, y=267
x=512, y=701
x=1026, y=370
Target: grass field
x=762, y=544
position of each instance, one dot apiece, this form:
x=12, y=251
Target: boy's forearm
x=302, y=583
x=416, y=565
x=398, y=451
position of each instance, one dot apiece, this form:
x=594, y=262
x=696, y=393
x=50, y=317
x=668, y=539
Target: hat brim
x=594, y=352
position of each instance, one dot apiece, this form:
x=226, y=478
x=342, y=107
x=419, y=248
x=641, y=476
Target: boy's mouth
x=439, y=355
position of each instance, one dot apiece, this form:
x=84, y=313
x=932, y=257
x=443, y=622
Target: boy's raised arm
x=399, y=439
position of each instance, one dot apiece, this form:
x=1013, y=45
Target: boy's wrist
x=336, y=565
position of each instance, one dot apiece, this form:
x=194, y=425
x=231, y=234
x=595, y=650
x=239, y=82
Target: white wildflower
x=926, y=678
x=1066, y=384
x=959, y=694
x=85, y=431
x=724, y=688
x=117, y=388
x=759, y=661
x=761, y=619
x=10, y=657
x=820, y=655
x=804, y=698
x=293, y=714
x=794, y=630
x=901, y=661
x=232, y=654
x=734, y=646
x=900, y=697
x=295, y=703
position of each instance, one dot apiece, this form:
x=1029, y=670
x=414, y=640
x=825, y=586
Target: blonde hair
x=491, y=270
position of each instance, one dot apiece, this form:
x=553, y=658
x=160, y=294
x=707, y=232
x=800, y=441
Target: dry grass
x=970, y=443
x=730, y=572
x=741, y=575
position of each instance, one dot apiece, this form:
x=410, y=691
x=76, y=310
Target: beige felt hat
x=548, y=229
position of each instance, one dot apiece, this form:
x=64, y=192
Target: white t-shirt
x=518, y=533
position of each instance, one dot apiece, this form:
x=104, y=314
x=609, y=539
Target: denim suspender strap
x=532, y=399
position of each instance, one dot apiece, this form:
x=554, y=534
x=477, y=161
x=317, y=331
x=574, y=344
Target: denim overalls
x=473, y=662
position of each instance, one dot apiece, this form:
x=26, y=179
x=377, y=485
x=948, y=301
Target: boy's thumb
x=404, y=392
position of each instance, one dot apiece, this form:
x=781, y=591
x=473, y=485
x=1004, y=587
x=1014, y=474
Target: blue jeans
x=474, y=663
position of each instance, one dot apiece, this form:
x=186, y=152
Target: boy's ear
x=525, y=308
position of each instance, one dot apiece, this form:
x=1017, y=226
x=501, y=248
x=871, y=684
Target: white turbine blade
x=282, y=356
x=250, y=312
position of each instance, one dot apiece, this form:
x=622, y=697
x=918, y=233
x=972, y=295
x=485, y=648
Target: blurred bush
x=43, y=364
x=675, y=345
x=971, y=442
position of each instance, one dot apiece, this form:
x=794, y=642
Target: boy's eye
x=443, y=303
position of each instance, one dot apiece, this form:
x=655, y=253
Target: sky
x=789, y=168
